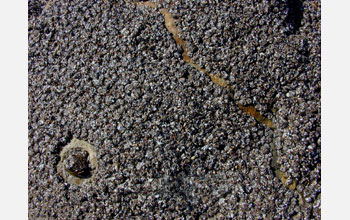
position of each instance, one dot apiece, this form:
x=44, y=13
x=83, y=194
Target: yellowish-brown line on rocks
x=251, y=110
x=171, y=27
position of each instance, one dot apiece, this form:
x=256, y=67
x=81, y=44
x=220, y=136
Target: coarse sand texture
x=174, y=109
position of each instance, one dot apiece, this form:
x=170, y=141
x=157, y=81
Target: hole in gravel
x=78, y=162
x=221, y=147
x=34, y=8
x=295, y=14
x=186, y=75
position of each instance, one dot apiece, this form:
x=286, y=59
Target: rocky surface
x=170, y=143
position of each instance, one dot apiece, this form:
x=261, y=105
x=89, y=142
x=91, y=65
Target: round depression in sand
x=78, y=162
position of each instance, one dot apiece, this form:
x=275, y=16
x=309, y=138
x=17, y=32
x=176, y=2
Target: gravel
x=169, y=142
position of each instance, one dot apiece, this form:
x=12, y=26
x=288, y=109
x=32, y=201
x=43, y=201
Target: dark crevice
x=34, y=9
x=66, y=140
x=57, y=149
x=295, y=15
